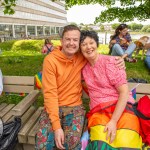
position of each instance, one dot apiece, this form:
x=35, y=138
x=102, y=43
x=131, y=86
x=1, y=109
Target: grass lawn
x=23, y=58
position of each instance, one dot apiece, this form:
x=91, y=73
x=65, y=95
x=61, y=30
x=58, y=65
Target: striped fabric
x=127, y=137
x=38, y=80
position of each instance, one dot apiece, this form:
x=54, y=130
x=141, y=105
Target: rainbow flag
x=38, y=80
x=134, y=93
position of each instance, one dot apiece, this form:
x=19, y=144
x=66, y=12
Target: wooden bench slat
x=23, y=105
x=27, y=115
x=132, y=85
x=18, y=88
x=138, y=96
x=22, y=135
x=2, y=106
x=143, y=89
x=31, y=135
x=20, y=80
x=7, y=116
x=7, y=109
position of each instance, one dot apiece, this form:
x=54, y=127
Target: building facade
x=33, y=18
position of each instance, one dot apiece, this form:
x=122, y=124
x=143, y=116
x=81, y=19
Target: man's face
x=70, y=42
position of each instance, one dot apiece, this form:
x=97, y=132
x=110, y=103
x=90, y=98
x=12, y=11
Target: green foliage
x=13, y=60
x=136, y=27
x=7, y=46
x=103, y=49
x=15, y=99
x=148, y=30
x=144, y=29
x=128, y=11
x=10, y=99
x=115, y=25
x=102, y=28
x=16, y=45
x=8, y=6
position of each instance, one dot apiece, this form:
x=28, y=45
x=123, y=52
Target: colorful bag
x=142, y=110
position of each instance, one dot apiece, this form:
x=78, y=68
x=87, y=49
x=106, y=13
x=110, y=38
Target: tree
x=145, y=28
x=136, y=27
x=102, y=28
x=123, y=10
x=115, y=25
x=8, y=6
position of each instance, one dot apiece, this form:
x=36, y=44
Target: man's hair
x=69, y=28
x=90, y=34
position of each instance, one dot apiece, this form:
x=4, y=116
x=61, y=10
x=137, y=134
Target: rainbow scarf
x=127, y=133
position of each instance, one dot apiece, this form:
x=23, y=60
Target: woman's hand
x=113, y=41
x=110, y=128
x=123, y=41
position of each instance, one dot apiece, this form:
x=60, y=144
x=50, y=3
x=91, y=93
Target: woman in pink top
x=111, y=120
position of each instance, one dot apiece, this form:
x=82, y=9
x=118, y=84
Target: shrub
x=7, y=46
x=148, y=30
x=25, y=45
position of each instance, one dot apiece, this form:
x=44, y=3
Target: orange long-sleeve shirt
x=61, y=81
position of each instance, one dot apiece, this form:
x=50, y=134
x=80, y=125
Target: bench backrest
x=141, y=90
x=18, y=84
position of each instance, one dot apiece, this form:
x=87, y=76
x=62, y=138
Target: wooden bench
x=25, y=109
x=141, y=90
x=29, y=113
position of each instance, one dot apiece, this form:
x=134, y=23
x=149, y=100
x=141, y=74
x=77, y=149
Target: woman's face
x=89, y=48
x=124, y=31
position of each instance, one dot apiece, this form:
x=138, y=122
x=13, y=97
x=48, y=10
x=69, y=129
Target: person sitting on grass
x=121, y=43
x=111, y=120
x=147, y=59
x=48, y=47
x=1, y=82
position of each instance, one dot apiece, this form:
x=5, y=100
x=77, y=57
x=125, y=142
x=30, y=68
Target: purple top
x=127, y=37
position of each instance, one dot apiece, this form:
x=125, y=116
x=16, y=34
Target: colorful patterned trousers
x=72, y=121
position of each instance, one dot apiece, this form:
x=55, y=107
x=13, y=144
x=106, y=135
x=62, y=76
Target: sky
x=86, y=14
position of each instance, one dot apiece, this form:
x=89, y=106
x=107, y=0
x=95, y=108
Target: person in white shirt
x=147, y=59
x=1, y=82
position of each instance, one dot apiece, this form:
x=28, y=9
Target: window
x=52, y=30
x=57, y=29
x=20, y=30
x=47, y=30
x=6, y=30
x=31, y=30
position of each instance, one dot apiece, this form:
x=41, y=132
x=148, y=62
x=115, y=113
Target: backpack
x=142, y=110
x=137, y=80
x=49, y=49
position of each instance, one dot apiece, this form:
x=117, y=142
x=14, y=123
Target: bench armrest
x=25, y=103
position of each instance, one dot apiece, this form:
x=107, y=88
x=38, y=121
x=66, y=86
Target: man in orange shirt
x=62, y=120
